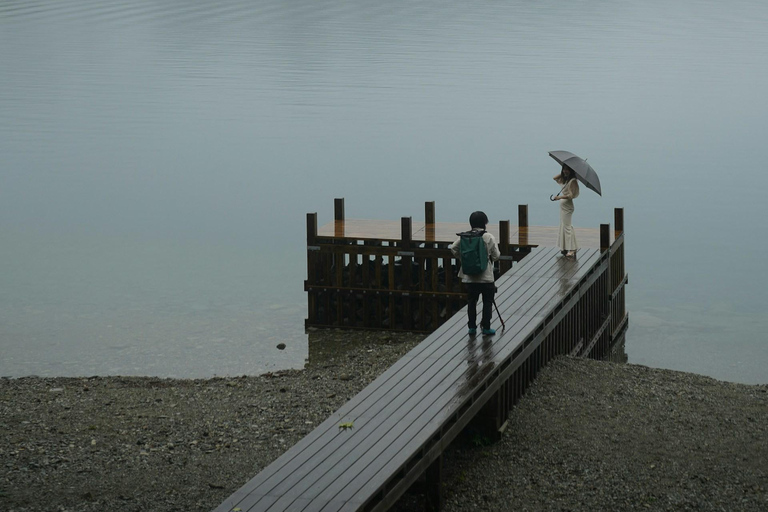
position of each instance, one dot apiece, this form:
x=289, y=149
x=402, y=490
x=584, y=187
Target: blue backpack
x=473, y=252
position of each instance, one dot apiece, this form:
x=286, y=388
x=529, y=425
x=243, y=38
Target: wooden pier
x=393, y=433
x=391, y=275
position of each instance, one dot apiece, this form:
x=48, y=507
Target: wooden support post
x=522, y=215
x=429, y=212
x=366, y=276
x=433, y=491
x=491, y=420
x=504, y=245
x=338, y=208
x=406, y=234
x=311, y=228
x=522, y=224
x=338, y=217
x=605, y=237
x=618, y=220
x=338, y=281
x=312, y=262
x=430, y=266
x=429, y=222
x=377, y=272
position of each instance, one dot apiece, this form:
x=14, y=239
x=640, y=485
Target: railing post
x=338, y=217
x=504, y=245
x=618, y=220
x=311, y=228
x=406, y=234
x=429, y=221
x=605, y=237
x=312, y=262
x=522, y=215
x=338, y=208
x=522, y=226
x=429, y=212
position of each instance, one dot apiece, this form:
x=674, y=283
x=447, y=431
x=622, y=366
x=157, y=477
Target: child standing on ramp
x=477, y=250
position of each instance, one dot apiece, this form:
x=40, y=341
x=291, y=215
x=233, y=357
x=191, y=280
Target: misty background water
x=157, y=160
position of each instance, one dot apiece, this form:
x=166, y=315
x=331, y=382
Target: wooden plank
x=246, y=502
x=531, y=268
x=442, y=345
x=396, y=434
x=392, y=422
x=396, y=441
x=397, y=447
x=571, y=278
x=339, y=466
x=399, y=374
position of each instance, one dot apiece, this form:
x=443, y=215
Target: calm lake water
x=157, y=160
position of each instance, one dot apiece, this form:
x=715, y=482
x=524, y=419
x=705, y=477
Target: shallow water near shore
x=157, y=163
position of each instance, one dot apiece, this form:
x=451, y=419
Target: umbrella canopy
x=583, y=171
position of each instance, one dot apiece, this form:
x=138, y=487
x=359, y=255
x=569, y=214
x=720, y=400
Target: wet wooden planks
x=445, y=232
x=406, y=417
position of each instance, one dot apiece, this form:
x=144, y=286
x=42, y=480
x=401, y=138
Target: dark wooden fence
x=379, y=282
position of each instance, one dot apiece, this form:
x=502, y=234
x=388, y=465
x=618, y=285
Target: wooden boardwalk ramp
x=405, y=419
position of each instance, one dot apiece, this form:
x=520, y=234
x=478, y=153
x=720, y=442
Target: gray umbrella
x=583, y=171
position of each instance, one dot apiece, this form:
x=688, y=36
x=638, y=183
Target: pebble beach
x=587, y=436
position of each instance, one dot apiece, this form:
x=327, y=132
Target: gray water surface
x=157, y=160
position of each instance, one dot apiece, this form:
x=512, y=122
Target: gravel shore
x=588, y=436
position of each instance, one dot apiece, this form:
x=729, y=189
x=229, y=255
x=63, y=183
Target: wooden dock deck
x=369, y=274
x=404, y=420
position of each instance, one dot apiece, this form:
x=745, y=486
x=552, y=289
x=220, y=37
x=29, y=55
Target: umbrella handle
x=552, y=197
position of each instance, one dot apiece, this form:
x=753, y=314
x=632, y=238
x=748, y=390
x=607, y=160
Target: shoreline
x=586, y=436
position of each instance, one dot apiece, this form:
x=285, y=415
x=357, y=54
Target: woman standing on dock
x=566, y=236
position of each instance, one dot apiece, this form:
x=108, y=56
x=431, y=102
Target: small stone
x=281, y=346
